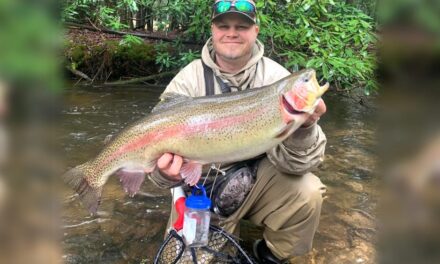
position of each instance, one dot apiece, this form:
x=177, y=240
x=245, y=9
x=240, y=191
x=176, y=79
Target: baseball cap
x=244, y=7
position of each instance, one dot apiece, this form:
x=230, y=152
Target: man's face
x=233, y=37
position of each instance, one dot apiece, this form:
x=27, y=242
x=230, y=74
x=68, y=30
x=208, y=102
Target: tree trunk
x=173, y=24
x=129, y=16
x=149, y=18
x=141, y=18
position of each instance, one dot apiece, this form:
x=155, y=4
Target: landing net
x=221, y=248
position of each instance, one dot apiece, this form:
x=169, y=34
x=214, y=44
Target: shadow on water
x=131, y=229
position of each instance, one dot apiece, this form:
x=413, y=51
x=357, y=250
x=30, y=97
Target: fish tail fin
x=89, y=195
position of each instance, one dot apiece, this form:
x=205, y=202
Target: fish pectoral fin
x=191, y=172
x=131, y=180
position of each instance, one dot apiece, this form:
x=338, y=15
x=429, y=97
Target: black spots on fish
x=227, y=137
x=124, y=156
x=89, y=195
x=77, y=179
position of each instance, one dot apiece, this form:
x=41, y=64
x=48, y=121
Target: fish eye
x=306, y=79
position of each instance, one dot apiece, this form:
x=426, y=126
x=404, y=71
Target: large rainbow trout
x=221, y=128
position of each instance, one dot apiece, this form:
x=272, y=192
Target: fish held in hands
x=213, y=129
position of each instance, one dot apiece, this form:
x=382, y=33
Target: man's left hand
x=320, y=109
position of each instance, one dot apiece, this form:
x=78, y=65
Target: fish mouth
x=321, y=89
x=289, y=108
x=299, y=103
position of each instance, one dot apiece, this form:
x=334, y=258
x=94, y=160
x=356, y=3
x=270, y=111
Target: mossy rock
x=137, y=52
x=133, y=60
x=77, y=54
x=110, y=59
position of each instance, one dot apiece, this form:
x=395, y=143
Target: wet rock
x=355, y=186
x=357, y=218
x=111, y=255
x=360, y=174
x=73, y=259
x=332, y=237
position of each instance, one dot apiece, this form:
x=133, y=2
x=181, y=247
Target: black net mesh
x=221, y=248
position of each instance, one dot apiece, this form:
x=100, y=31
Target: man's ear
x=257, y=29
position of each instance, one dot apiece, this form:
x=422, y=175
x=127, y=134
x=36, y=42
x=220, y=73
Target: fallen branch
x=91, y=23
x=79, y=73
x=123, y=33
x=143, y=79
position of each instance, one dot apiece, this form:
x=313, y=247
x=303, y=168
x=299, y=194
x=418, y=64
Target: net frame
x=241, y=256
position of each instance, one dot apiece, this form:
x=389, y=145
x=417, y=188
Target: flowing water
x=130, y=230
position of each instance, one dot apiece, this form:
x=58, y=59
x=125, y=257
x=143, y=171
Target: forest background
x=146, y=37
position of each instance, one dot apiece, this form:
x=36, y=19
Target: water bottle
x=196, y=218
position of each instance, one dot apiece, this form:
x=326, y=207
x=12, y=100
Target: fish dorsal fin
x=168, y=100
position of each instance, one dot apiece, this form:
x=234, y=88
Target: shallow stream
x=130, y=230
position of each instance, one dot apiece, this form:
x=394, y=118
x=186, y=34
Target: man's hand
x=169, y=165
x=320, y=109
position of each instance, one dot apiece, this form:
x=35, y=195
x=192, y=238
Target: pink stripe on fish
x=140, y=142
x=181, y=130
x=222, y=123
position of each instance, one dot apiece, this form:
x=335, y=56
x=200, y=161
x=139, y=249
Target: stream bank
x=99, y=57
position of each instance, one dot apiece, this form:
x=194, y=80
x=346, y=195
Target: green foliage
x=334, y=37
x=70, y=11
x=199, y=26
x=100, y=12
x=182, y=15
x=368, y=7
x=171, y=56
x=187, y=57
x=130, y=40
x=165, y=60
x=163, y=57
x=130, y=4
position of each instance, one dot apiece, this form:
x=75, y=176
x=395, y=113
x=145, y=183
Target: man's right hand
x=169, y=166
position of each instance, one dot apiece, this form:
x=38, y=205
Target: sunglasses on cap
x=244, y=6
